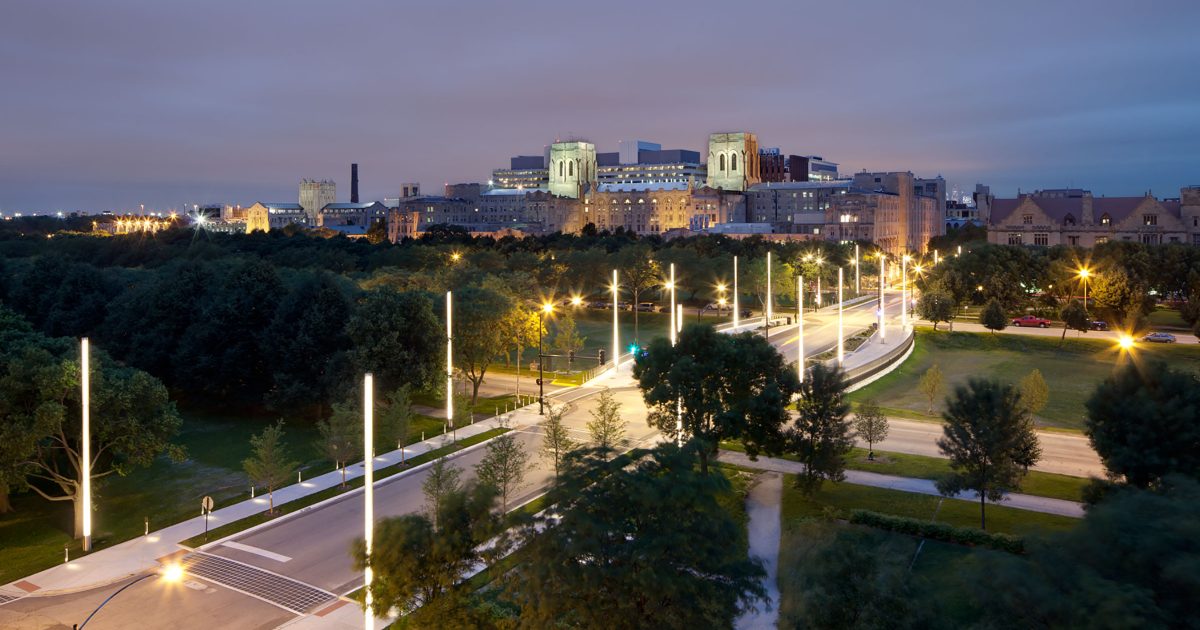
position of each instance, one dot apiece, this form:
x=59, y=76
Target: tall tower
x=353, y=183
x=732, y=160
x=572, y=168
x=315, y=195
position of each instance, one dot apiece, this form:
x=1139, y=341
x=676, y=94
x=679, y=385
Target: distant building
x=811, y=168
x=772, y=166
x=315, y=195
x=360, y=214
x=273, y=216
x=410, y=190
x=732, y=161
x=1076, y=217
x=572, y=168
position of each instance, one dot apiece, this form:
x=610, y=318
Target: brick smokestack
x=353, y=183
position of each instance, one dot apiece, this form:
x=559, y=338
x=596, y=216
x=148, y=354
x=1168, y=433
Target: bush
x=938, y=531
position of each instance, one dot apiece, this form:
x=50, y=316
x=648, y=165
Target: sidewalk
x=143, y=553
x=1029, y=502
x=763, y=508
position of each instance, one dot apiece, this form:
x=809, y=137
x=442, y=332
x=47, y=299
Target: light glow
x=172, y=572
x=368, y=491
x=85, y=457
x=1125, y=342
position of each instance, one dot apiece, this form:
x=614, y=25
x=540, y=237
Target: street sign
x=206, y=504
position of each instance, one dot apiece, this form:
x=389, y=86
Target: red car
x=1031, y=320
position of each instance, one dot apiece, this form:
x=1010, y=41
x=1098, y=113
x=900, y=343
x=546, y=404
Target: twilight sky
x=105, y=105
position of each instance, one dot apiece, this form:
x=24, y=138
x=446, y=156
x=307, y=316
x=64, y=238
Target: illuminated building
x=1076, y=217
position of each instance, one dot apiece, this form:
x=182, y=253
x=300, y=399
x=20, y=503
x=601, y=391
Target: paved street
x=1056, y=332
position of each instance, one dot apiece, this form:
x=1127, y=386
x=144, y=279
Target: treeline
x=1124, y=280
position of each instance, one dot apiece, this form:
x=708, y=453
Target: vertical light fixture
x=671, y=313
x=369, y=489
x=840, y=353
x=450, y=362
x=767, y=314
x=857, y=286
x=882, y=308
x=616, y=347
x=800, y=325
x=903, y=293
x=935, y=257
x=85, y=457
x=736, y=312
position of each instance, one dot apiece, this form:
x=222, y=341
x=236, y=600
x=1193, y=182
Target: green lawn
x=1072, y=371
x=935, y=570
x=1167, y=318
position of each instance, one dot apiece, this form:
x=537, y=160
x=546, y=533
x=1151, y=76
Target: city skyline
x=124, y=105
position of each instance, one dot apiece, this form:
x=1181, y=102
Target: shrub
x=938, y=531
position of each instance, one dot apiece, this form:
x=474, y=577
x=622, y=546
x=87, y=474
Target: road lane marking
x=270, y=555
x=289, y=594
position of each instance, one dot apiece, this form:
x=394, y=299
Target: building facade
x=1078, y=218
x=733, y=161
x=315, y=195
x=273, y=216
x=351, y=214
x=572, y=168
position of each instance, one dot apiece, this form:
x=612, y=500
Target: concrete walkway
x=1029, y=502
x=764, y=531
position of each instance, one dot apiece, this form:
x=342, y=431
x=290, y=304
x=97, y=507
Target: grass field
x=935, y=572
x=1167, y=318
x=1072, y=371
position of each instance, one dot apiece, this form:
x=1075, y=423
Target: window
x=1014, y=239
x=1150, y=219
x=1100, y=240
x=1073, y=240
x=1041, y=239
x=1151, y=239
x=733, y=162
x=1105, y=219
x=1069, y=220
x=570, y=169
x=1027, y=219
x=722, y=162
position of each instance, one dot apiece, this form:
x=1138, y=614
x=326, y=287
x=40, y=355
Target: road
x=1062, y=453
x=1057, y=331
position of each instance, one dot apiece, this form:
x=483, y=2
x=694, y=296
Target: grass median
x=312, y=499
x=1036, y=483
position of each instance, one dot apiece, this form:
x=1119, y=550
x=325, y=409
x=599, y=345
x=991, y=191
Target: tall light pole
x=671, y=313
x=85, y=457
x=768, y=312
x=546, y=309
x=368, y=491
x=616, y=347
x=450, y=361
x=840, y=353
x=819, y=261
x=1084, y=274
x=903, y=292
x=857, y=286
x=736, y=313
x=800, y=327
x=882, y=308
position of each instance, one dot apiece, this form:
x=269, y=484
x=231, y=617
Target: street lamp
x=616, y=347
x=546, y=309
x=1125, y=342
x=450, y=361
x=767, y=312
x=800, y=327
x=576, y=300
x=840, y=346
x=882, y=307
x=904, y=291
x=857, y=286
x=172, y=572
x=736, y=314
x=368, y=492
x=1084, y=274
x=455, y=256
x=85, y=458
x=671, y=313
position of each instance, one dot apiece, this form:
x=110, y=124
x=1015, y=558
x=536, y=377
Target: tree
x=307, y=344
x=820, y=437
x=936, y=306
x=989, y=439
x=1034, y=392
x=722, y=387
x=1074, y=317
x=871, y=425
x=522, y=328
x=931, y=384
x=607, y=427
x=1142, y=422
x=132, y=418
x=637, y=542
x=394, y=419
x=397, y=338
x=268, y=464
x=420, y=568
x=640, y=273
x=378, y=232
x=992, y=316
x=442, y=480
x=341, y=436
x=478, y=333
x=1130, y=563
x=503, y=466
x=1122, y=296
x=851, y=579
x=556, y=439
x=566, y=336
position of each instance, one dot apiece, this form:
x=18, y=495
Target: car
x=1097, y=324
x=1159, y=337
x=646, y=307
x=745, y=312
x=1031, y=320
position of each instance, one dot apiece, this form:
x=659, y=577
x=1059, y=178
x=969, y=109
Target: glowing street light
x=85, y=457
x=904, y=291
x=455, y=257
x=857, y=286
x=173, y=572
x=841, y=345
x=671, y=318
x=1084, y=274
x=449, y=361
x=616, y=347
x=767, y=313
x=547, y=308
x=882, y=306
x=800, y=327
x=736, y=313
x=576, y=300
x=1125, y=342
x=368, y=492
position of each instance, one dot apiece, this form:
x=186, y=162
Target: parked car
x=1159, y=337
x=1031, y=320
x=745, y=312
x=1098, y=325
x=646, y=307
